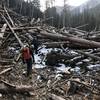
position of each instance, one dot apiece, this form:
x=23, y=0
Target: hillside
x=89, y=4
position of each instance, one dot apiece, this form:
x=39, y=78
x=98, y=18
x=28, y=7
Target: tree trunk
x=55, y=97
x=70, y=39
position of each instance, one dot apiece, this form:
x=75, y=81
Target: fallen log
x=3, y=29
x=6, y=62
x=5, y=66
x=87, y=85
x=96, y=38
x=21, y=28
x=54, y=44
x=75, y=29
x=20, y=42
x=81, y=26
x=73, y=40
x=79, y=33
x=76, y=32
x=6, y=70
x=66, y=44
x=9, y=16
x=5, y=40
x=89, y=55
x=8, y=84
x=12, y=89
x=70, y=39
x=82, y=41
x=55, y=97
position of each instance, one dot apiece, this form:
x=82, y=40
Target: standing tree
x=64, y=13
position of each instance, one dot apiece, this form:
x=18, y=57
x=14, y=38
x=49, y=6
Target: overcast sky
x=60, y=3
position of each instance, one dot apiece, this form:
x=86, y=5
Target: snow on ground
x=40, y=61
x=38, y=66
x=94, y=67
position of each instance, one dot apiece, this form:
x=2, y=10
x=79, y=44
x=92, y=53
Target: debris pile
x=67, y=64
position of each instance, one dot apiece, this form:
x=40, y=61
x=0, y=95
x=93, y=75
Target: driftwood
x=70, y=39
x=55, y=97
x=73, y=39
x=81, y=26
x=21, y=28
x=12, y=89
x=75, y=29
x=89, y=55
x=9, y=17
x=87, y=85
x=56, y=78
x=82, y=41
x=6, y=70
x=54, y=44
x=8, y=84
x=21, y=44
x=4, y=41
x=3, y=30
x=6, y=62
x=79, y=33
x=66, y=44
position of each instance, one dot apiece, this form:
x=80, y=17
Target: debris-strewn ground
x=67, y=66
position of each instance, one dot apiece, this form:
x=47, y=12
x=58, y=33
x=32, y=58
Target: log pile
x=75, y=49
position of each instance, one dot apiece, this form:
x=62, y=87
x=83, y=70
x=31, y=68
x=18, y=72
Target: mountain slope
x=89, y=4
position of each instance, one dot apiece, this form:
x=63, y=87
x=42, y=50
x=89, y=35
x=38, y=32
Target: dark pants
x=29, y=66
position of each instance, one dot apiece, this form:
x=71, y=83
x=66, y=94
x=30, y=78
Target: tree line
x=30, y=8
x=73, y=18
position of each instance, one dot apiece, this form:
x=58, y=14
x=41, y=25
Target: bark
x=3, y=30
x=6, y=70
x=82, y=26
x=70, y=39
x=89, y=55
x=21, y=28
x=20, y=42
x=9, y=17
x=6, y=62
x=75, y=29
x=66, y=44
x=55, y=97
x=54, y=44
x=11, y=89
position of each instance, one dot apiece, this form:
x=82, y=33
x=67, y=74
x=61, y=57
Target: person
x=28, y=58
x=35, y=43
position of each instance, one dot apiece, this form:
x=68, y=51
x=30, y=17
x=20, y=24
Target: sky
x=60, y=3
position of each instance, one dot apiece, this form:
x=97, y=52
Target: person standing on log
x=28, y=58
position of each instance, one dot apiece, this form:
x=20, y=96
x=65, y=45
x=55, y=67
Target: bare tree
x=64, y=13
x=47, y=5
x=21, y=5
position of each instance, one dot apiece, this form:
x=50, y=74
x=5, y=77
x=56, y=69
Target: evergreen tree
x=29, y=8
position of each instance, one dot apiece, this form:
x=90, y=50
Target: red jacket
x=26, y=53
